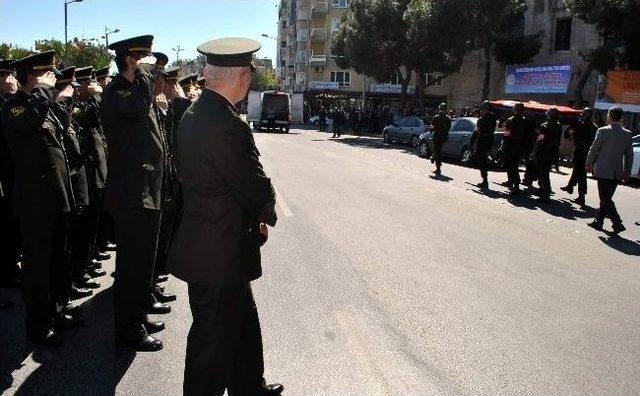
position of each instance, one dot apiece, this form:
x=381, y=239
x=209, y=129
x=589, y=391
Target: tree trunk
x=487, y=72
x=406, y=79
x=581, y=84
x=420, y=77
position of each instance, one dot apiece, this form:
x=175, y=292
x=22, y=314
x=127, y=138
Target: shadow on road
x=442, y=178
x=623, y=245
x=87, y=364
x=376, y=144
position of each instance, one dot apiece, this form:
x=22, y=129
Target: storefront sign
x=390, y=89
x=537, y=79
x=619, y=88
x=323, y=85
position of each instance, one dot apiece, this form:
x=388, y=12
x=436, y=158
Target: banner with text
x=552, y=79
x=619, y=88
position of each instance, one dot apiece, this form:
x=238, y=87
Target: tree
x=263, y=79
x=10, y=51
x=499, y=33
x=617, y=22
x=77, y=53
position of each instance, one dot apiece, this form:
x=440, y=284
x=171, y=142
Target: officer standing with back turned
x=134, y=187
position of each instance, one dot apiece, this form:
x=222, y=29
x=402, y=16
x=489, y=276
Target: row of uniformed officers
x=71, y=144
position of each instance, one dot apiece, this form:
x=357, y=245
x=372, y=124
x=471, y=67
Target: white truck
x=273, y=110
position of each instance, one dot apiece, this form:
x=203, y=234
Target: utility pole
x=65, y=18
x=107, y=32
x=178, y=49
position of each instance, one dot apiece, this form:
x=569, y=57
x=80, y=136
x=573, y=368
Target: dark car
x=405, y=130
x=459, y=144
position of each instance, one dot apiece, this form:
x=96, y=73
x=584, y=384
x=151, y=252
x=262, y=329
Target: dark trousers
x=544, y=180
x=137, y=236
x=512, y=166
x=79, y=243
x=606, y=189
x=224, y=347
x=94, y=214
x=45, y=270
x=579, y=174
x=482, y=156
x=9, y=241
x=170, y=212
x=437, y=153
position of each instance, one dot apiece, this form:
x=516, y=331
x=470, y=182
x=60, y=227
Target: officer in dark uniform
x=440, y=124
x=482, y=140
x=201, y=83
x=582, y=133
x=94, y=149
x=178, y=101
x=79, y=225
x=42, y=193
x=102, y=76
x=134, y=187
x=513, y=145
x=545, y=152
x=228, y=202
x=9, y=243
x=161, y=59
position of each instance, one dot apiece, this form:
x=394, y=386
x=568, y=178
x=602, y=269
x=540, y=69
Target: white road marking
x=282, y=204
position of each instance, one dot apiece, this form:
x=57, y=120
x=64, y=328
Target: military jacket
x=42, y=185
x=93, y=141
x=441, y=126
x=136, y=152
x=75, y=159
x=6, y=165
x=484, y=133
x=546, y=147
x=583, y=134
x=226, y=196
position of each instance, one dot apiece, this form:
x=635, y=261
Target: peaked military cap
x=188, y=80
x=202, y=82
x=172, y=73
x=230, y=52
x=161, y=57
x=36, y=62
x=65, y=76
x=6, y=66
x=84, y=73
x=104, y=72
x=140, y=44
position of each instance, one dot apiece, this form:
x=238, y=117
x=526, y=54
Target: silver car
x=405, y=130
x=459, y=144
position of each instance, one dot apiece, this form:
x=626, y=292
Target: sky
x=186, y=23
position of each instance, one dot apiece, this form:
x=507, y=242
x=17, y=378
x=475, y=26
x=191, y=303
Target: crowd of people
x=90, y=164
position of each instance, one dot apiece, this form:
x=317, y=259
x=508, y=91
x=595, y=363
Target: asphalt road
x=381, y=280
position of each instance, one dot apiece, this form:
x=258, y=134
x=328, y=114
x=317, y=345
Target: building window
x=563, y=34
x=342, y=78
x=283, y=44
x=396, y=78
x=538, y=7
x=341, y=3
x=335, y=23
x=433, y=80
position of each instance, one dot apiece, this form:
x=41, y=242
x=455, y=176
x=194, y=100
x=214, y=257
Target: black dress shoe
x=95, y=264
x=96, y=272
x=80, y=292
x=272, y=389
x=567, y=189
x=102, y=256
x=90, y=284
x=580, y=201
x=110, y=247
x=145, y=343
x=161, y=278
x=67, y=321
x=483, y=185
x=618, y=228
x=48, y=338
x=595, y=225
x=154, y=327
x=163, y=296
x=159, y=308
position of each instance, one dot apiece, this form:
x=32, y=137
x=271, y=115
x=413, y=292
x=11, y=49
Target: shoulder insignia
x=16, y=111
x=124, y=93
x=76, y=110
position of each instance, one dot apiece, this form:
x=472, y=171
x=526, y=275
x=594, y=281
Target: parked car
x=459, y=144
x=405, y=130
x=315, y=121
x=635, y=169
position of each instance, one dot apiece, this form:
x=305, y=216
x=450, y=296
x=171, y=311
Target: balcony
x=319, y=8
x=318, y=35
x=318, y=61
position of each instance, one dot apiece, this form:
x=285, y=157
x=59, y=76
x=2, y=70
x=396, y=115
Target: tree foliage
x=263, y=79
x=76, y=53
x=10, y=51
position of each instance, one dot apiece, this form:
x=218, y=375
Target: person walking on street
x=545, y=152
x=440, y=124
x=482, y=140
x=228, y=203
x=582, y=133
x=514, y=137
x=134, y=187
x=610, y=158
x=323, y=119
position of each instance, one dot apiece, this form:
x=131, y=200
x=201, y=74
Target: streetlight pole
x=107, y=32
x=178, y=49
x=65, y=18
